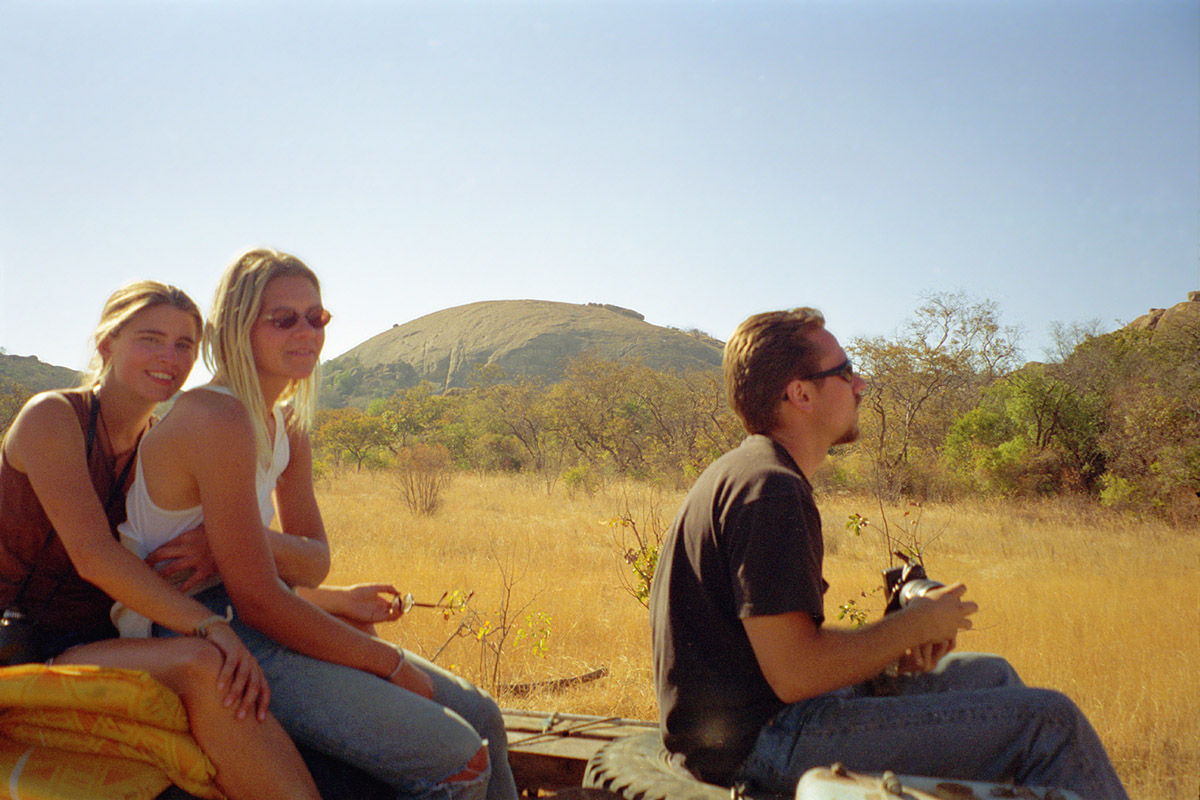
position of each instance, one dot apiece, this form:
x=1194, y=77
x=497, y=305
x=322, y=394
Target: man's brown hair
x=764, y=354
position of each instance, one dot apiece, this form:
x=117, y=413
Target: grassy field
x=1100, y=606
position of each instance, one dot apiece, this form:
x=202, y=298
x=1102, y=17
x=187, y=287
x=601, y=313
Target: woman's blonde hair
x=121, y=306
x=227, y=349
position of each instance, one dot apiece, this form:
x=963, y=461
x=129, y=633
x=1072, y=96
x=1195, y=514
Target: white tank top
x=148, y=526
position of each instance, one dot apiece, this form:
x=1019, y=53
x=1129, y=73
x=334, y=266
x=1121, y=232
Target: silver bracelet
x=201, y=628
x=399, y=666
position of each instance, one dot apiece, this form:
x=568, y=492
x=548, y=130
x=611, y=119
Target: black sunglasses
x=844, y=370
x=286, y=319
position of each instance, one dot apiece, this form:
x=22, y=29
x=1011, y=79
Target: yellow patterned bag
x=98, y=733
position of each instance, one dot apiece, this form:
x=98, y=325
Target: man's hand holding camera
x=942, y=613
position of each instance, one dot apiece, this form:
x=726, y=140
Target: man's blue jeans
x=404, y=740
x=971, y=719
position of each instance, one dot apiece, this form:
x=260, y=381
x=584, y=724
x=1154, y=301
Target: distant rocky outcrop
x=524, y=338
x=1180, y=315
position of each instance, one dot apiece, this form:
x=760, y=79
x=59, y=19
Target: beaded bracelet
x=201, y=628
x=399, y=666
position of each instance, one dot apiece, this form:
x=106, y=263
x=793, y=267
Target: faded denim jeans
x=404, y=740
x=971, y=719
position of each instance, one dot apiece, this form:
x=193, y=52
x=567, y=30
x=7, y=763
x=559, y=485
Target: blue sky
x=695, y=161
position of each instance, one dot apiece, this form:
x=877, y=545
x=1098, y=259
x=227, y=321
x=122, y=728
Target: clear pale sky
x=695, y=161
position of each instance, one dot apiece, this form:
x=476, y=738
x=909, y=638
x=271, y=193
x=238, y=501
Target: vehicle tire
x=637, y=768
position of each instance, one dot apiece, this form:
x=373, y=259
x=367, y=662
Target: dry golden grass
x=1100, y=606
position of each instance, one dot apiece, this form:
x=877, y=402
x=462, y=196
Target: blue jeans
x=971, y=719
x=404, y=740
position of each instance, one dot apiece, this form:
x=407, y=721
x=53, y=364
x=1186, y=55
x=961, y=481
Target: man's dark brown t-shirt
x=746, y=543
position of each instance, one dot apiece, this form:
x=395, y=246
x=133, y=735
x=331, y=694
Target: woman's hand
x=365, y=603
x=188, y=550
x=241, y=677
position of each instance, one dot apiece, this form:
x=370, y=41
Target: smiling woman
x=410, y=724
x=64, y=471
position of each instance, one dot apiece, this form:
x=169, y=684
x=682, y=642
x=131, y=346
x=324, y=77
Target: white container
x=838, y=783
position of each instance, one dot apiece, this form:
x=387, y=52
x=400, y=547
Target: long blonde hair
x=121, y=306
x=227, y=349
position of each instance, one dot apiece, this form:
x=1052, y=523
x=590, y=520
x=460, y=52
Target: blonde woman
x=232, y=456
x=64, y=468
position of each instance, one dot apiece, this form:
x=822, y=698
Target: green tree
x=412, y=415
x=628, y=418
x=687, y=422
x=521, y=411
x=1152, y=439
x=598, y=417
x=1146, y=384
x=1032, y=433
x=350, y=432
x=933, y=371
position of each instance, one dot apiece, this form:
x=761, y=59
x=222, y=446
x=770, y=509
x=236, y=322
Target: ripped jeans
x=970, y=719
x=404, y=740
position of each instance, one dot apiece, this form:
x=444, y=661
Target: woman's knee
x=475, y=768
x=482, y=712
x=189, y=665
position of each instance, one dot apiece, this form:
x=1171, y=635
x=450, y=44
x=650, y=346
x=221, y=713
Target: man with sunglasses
x=752, y=688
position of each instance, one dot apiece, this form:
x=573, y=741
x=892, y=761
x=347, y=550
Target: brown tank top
x=54, y=594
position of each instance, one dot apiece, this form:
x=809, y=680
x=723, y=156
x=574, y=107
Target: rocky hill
x=524, y=338
x=1169, y=320
x=21, y=377
x=34, y=375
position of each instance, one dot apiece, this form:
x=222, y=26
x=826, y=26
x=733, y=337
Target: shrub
x=580, y=478
x=1116, y=492
x=421, y=472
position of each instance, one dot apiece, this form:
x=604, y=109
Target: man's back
x=746, y=542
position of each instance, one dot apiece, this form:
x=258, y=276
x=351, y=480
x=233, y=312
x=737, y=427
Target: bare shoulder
x=46, y=422
x=47, y=407
x=204, y=413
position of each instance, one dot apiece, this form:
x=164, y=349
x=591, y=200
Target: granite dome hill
x=525, y=338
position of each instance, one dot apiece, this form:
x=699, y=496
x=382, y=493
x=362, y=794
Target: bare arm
x=46, y=444
x=302, y=550
x=361, y=603
x=801, y=660
x=225, y=480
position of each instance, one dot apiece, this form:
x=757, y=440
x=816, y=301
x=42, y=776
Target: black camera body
x=904, y=583
x=18, y=642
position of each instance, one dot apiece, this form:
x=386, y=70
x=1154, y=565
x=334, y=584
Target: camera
x=904, y=583
x=18, y=643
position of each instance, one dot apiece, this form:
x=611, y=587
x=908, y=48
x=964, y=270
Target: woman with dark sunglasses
x=64, y=470
x=416, y=727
